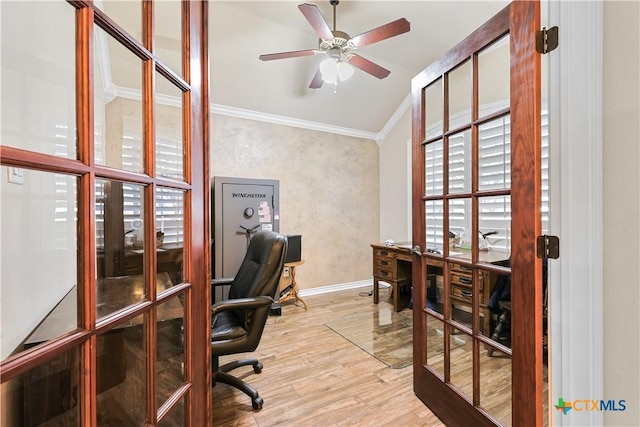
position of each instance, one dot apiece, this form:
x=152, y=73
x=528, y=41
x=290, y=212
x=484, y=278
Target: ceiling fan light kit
x=335, y=69
x=338, y=46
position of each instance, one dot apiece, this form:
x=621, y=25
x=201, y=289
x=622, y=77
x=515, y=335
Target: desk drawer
x=463, y=293
x=384, y=253
x=464, y=277
x=384, y=263
x=465, y=281
x=385, y=273
x=392, y=264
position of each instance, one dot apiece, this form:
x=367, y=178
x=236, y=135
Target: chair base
x=222, y=375
x=502, y=320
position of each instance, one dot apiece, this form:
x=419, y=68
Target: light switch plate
x=16, y=175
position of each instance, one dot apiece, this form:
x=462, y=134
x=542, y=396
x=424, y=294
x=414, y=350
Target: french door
x=105, y=188
x=476, y=215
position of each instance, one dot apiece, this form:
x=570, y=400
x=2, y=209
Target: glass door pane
x=460, y=95
x=118, y=119
x=434, y=109
x=494, y=63
x=121, y=380
x=39, y=263
x=38, y=77
x=167, y=38
x=169, y=139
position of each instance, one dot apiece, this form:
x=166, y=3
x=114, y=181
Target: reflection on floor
x=387, y=335
x=384, y=334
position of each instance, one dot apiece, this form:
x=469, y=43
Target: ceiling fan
x=339, y=47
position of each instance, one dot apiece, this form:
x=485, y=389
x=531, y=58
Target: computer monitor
x=294, y=248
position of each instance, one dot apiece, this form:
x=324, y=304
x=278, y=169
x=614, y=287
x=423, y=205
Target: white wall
x=395, y=191
x=38, y=264
x=38, y=238
x=621, y=209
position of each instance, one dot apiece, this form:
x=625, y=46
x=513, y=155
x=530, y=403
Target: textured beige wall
x=329, y=191
x=621, y=209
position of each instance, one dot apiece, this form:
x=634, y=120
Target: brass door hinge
x=548, y=247
x=546, y=39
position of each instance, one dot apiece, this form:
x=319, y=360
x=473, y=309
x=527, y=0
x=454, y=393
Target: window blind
x=169, y=203
x=494, y=172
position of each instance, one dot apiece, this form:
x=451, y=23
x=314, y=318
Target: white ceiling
x=240, y=31
x=242, y=85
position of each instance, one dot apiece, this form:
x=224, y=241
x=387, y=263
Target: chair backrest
x=261, y=268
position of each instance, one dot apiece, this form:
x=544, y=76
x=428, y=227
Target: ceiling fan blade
x=368, y=66
x=317, y=81
x=315, y=18
x=283, y=55
x=386, y=31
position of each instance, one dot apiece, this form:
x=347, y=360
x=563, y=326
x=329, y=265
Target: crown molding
x=288, y=121
x=393, y=120
x=135, y=94
x=224, y=110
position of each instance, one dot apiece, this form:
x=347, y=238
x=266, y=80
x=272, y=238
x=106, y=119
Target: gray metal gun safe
x=241, y=207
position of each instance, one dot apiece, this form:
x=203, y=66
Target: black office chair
x=500, y=304
x=238, y=322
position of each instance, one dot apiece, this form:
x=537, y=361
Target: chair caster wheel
x=276, y=311
x=257, y=368
x=257, y=403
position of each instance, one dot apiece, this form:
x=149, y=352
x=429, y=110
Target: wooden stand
x=291, y=291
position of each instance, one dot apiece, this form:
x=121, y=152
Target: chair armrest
x=241, y=303
x=222, y=281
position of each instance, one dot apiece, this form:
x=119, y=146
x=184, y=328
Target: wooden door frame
x=197, y=392
x=199, y=263
x=526, y=270
x=575, y=191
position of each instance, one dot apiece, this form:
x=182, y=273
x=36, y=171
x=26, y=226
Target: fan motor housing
x=340, y=40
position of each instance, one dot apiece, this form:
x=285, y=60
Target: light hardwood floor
x=314, y=377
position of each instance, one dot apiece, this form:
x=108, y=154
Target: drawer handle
x=384, y=273
x=384, y=253
x=464, y=267
x=384, y=262
x=466, y=293
x=466, y=280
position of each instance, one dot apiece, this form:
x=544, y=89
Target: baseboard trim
x=336, y=288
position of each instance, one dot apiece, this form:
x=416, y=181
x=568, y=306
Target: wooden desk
x=291, y=291
x=461, y=282
x=114, y=293
x=391, y=264
x=129, y=261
